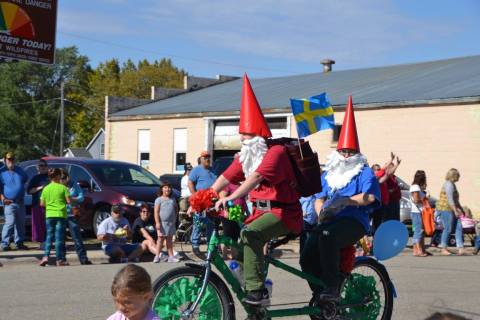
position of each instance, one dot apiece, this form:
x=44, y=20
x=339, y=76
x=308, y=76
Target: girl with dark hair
x=418, y=195
x=132, y=293
x=165, y=215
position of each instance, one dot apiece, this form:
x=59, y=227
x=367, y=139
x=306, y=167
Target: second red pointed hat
x=252, y=120
x=348, y=135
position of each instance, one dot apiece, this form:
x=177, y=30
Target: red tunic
x=277, y=174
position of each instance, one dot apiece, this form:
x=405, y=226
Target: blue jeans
x=448, y=220
x=197, y=227
x=417, y=226
x=56, y=228
x=77, y=238
x=14, y=223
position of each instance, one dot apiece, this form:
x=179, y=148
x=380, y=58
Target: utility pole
x=62, y=119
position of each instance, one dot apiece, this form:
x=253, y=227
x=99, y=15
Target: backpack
x=306, y=169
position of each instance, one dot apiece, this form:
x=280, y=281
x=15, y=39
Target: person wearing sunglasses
x=144, y=231
x=35, y=187
x=12, y=191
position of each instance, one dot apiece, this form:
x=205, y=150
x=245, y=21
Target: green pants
x=254, y=237
x=321, y=254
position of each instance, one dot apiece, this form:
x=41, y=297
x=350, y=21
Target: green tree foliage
x=27, y=122
x=29, y=126
x=128, y=80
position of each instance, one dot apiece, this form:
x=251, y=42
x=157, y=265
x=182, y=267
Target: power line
x=242, y=67
x=30, y=102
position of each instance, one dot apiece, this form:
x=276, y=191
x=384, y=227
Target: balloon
x=390, y=239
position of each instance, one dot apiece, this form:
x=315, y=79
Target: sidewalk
x=96, y=255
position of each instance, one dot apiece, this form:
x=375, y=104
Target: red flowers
x=203, y=199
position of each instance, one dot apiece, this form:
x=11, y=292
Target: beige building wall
x=431, y=138
x=122, y=141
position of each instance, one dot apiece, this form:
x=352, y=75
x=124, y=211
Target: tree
x=29, y=102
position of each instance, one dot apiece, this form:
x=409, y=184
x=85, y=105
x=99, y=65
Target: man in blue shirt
x=12, y=192
x=310, y=218
x=200, y=178
x=350, y=192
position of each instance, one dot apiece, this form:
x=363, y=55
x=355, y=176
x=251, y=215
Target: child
x=114, y=233
x=54, y=198
x=144, y=231
x=73, y=212
x=132, y=294
x=165, y=221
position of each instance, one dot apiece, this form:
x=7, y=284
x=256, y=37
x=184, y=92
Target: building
x=96, y=146
x=428, y=113
x=77, y=153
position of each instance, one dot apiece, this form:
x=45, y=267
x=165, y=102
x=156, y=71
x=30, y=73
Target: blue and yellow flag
x=312, y=114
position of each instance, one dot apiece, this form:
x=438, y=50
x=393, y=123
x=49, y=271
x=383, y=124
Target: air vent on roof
x=327, y=65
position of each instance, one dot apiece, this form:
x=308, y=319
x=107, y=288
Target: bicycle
x=195, y=291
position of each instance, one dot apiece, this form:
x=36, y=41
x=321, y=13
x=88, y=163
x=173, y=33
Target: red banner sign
x=27, y=30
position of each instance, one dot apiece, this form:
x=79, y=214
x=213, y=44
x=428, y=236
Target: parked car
x=105, y=183
x=221, y=164
x=172, y=178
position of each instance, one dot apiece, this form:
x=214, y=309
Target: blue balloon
x=390, y=239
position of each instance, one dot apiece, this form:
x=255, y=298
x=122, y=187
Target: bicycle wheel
x=369, y=288
x=177, y=289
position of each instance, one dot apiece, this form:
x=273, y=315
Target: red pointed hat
x=348, y=135
x=252, y=120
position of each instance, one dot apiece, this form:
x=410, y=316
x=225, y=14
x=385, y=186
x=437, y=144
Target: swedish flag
x=312, y=114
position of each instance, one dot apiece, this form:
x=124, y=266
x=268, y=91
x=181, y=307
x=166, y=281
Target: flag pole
x=300, y=147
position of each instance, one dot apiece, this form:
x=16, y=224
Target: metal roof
x=389, y=85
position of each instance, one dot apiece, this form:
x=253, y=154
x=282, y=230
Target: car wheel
x=101, y=214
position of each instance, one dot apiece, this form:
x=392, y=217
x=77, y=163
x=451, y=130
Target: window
x=123, y=175
x=336, y=132
x=102, y=149
x=144, y=148
x=179, y=149
x=78, y=174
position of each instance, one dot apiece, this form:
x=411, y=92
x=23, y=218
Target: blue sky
x=272, y=37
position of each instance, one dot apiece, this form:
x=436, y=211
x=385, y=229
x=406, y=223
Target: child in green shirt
x=55, y=197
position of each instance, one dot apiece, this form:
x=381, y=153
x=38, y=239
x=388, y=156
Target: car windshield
x=123, y=175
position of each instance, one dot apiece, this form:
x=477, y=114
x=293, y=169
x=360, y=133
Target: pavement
x=96, y=255
x=423, y=286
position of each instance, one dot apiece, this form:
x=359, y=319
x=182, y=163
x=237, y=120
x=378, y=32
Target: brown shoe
x=62, y=263
x=43, y=262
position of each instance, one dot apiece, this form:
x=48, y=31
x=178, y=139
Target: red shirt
x=394, y=192
x=383, y=187
x=277, y=173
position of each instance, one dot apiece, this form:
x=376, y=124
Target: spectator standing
x=54, y=198
x=73, y=213
x=418, y=195
x=114, y=233
x=450, y=210
x=35, y=187
x=394, y=193
x=310, y=218
x=144, y=231
x=185, y=190
x=132, y=293
x=231, y=228
x=201, y=177
x=379, y=214
x=12, y=191
x=165, y=215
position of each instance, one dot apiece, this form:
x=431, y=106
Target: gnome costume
x=344, y=216
x=276, y=207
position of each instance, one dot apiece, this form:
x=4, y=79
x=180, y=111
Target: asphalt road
x=424, y=285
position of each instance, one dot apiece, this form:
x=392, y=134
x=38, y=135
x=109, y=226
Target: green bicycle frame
x=215, y=258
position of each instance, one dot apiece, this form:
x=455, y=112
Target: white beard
x=251, y=155
x=341, y=170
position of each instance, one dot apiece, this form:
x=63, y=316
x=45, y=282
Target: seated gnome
x=350, y=192
x=266, y=173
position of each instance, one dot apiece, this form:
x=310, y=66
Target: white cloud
x=354, y=32
x=92, y=23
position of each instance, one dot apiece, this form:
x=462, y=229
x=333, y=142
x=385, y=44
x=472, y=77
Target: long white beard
x=252, y=153
x=341, y=170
